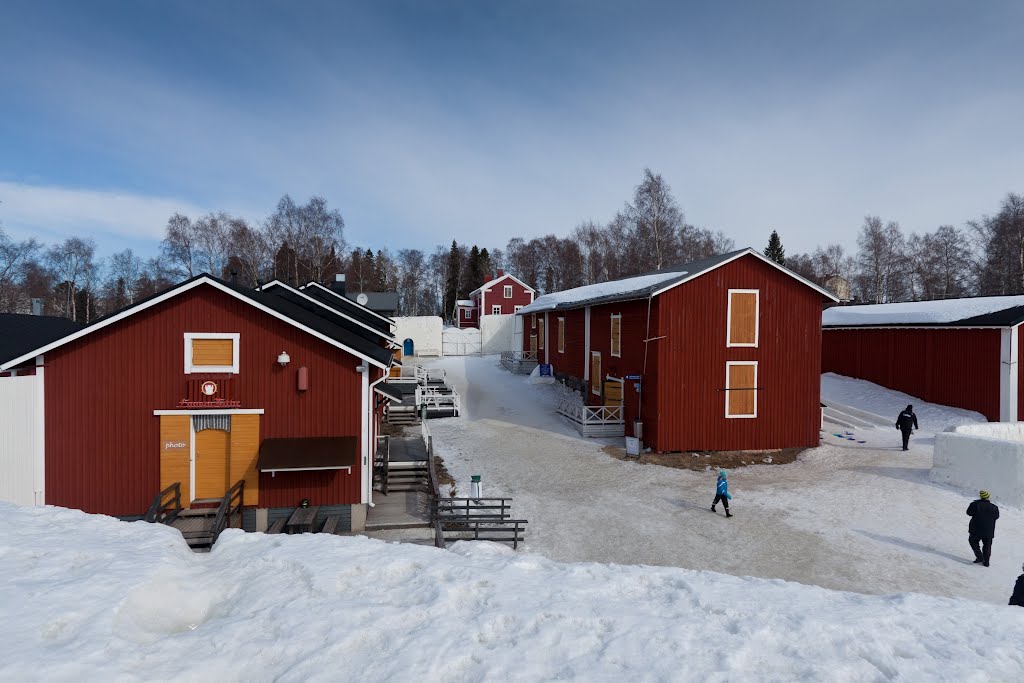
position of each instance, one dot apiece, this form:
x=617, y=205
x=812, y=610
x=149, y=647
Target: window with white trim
x=517, y=309
x=616, y=335
x=741, y=389
x=561, y=335
x=742, y=323
x=496, y=309
x=211, y=352
x=508, y=291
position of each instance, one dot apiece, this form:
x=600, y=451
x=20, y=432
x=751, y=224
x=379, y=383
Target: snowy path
x=846, y=516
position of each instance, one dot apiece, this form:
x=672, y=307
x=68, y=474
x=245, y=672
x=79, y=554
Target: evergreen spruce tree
x=476, y=272
x=775, y=251
x=369, y=272
x=451, y=285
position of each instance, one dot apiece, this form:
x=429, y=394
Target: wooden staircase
x=200, y=524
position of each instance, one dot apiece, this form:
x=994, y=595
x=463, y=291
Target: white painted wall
x=20, y=445
x=974, y=462
x=425, y=332
x=498, y=333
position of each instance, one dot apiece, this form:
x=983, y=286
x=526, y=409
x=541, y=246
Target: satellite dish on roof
x=362, y=299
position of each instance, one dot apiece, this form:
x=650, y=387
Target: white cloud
x=48, y=210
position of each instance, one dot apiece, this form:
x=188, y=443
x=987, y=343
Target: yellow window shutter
x=213, y=352
x=742, y=390
x=743, y=318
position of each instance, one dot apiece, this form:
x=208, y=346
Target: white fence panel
x=18, y=441
x=465, y=342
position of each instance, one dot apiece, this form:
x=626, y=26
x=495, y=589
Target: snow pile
x=624, y=287
x=90, y=597
x=535, y=377
x=917, y=312
x=887, y=403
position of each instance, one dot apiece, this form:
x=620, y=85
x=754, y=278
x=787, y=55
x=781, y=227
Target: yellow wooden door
x=174, y=453
x=245, y=451
x=211, y=465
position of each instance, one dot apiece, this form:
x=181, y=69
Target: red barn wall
x=102, y=439
x=496, y=295
x=693, y=353
x=953, y=367
x=573, y=361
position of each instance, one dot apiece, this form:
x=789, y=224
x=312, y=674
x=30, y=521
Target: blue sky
x=428, y=121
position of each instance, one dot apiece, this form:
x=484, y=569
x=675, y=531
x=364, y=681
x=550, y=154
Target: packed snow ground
x=847, y=516
x=86, y=597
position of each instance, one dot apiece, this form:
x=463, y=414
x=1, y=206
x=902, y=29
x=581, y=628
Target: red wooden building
x=207, y=384
x=501, y=295
x=956, y=352
x=719, y=354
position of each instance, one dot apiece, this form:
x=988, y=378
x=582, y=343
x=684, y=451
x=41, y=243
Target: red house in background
x=718, y=354
x=205, y=385
x=956, y=352
x=501, y=295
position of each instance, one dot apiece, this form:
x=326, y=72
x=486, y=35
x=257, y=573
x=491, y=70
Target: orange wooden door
x=211, y=463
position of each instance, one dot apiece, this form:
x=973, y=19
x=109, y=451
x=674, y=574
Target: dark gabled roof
x=300, y=317
x=346, y=300
x=350, y=308
x=390, y=391
x=378, y=302
x=330, y=314
x=982, y=311
x=20, y=333
x=649, y=284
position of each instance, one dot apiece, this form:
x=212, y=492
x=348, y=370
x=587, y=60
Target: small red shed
x=956, y=352
x=191, y=385
x=718, y=354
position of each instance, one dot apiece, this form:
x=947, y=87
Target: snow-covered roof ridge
x=994, y=311
x=494, y=281
x=464, y=302
x=652, y=284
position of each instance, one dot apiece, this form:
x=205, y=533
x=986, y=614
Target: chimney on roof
x=37, y=306
x=339, y=284
x=488, y=277
x=501, y=272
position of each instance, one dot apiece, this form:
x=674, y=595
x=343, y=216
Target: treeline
x=985, y=257
x=297, y=243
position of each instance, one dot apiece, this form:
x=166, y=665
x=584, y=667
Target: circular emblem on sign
x=209, y=388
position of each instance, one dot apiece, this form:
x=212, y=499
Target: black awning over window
x=390, y=391
x=310, y=453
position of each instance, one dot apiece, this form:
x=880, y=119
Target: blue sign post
x=633, y=377
x=545, y=370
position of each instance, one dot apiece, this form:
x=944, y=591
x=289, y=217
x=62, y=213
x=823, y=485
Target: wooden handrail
x=157, y=512
x=225, y=510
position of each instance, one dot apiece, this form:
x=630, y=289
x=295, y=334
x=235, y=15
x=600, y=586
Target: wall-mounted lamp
x=284, y=358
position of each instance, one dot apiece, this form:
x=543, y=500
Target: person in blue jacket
x=722, y=493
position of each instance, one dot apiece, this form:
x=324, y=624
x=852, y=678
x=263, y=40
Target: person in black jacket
x=1018, y=591
x=983, y=527
x=906, y=423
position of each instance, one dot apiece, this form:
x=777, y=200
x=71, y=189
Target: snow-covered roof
x=988, y=311
x=464, y=302
x=506, y=276
x=650, y=284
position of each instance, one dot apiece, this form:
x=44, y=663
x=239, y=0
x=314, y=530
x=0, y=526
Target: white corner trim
x=191, y=368
x=757, y=319
x=39, y=456
x=1008, y=374
x=729, y=364
x=366, y=481
x=209, y=411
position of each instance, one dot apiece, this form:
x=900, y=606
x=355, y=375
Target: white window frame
x=467, y=313
x=561, y=335
x=611, y=326
x=757, y=319
x=508, y=291
x=595, y=383
x=517, y=309
x=728, y=365
x=191, y=369
x=496, y=309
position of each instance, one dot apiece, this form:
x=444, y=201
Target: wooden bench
x=331, y=524
x=278, y=526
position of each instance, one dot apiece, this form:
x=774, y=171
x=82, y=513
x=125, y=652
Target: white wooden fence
x=593, y=420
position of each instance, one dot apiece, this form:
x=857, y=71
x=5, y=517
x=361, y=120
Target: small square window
x=211, y=352
x=508, y=291
x=496, y=310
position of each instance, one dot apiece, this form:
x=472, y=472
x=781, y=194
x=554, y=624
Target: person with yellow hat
x=984, y=514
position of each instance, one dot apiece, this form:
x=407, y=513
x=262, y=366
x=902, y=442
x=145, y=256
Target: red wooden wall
x=496, y=295
x=571, y=362
x=693, y=353
x=953, y=367
x=102, y=439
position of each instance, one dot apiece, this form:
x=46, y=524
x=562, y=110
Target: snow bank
x=90, y=597
x=917, y=312
x=976, y=457
x=887, y=403
x=602, y=289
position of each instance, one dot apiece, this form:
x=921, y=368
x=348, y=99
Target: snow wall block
x=1007, y=431
x=425, y=332
x=975, y=463
x=497, y=333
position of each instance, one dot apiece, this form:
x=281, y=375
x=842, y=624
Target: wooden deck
x=408, y=449
x=399, y=510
